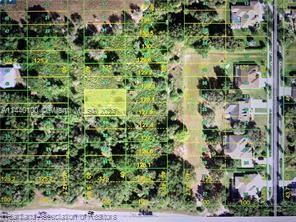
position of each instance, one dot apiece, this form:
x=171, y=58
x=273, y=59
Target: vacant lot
x=91, y=11
x=195, y=67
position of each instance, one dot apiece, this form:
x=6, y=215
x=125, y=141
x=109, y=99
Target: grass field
x=246, y=32
x=111, y=102
x=291, y=53
x=261, y=121
x=196, y=65
x=290, y=174
x=290, y=162
x=290, y=64
x=256, y=93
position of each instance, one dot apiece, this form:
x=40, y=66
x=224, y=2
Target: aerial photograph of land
x=148, y=110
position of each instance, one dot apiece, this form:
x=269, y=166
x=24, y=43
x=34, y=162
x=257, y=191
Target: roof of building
x=249, y=184
x=244, y=16
x=9, y=77
x=238, y=147
x=247, y=76
x=241, y=110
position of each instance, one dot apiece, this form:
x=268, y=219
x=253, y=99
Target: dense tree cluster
x=93, y=157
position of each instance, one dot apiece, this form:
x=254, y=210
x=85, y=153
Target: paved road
x=98, y=216
x=275, y=108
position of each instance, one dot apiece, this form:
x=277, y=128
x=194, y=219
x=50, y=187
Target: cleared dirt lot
x=192, y=149
x=89, y=10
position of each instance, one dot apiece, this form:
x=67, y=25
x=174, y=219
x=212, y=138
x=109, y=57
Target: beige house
x=248, y=77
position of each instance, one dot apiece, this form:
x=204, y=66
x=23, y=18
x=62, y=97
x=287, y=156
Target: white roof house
x=9, y=77
x=249, y=184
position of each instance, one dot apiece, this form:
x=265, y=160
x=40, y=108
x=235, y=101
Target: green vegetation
x=287, y=208
x=127, y=156
x=119, y=161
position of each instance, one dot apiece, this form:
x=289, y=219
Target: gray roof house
x=245, y=110
x=239, y=111
x=238, y=147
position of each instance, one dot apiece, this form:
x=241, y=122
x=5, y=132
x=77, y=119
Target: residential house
x=245, y=110
x=245, y=16
x=248, y=77
x=238, y=147
x=239, y=111
x=249, y=184
x=10, y=76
